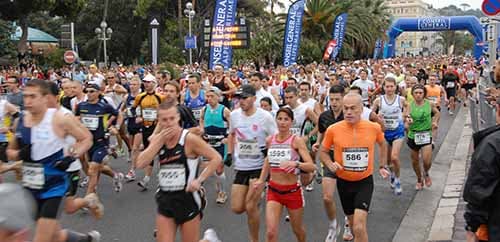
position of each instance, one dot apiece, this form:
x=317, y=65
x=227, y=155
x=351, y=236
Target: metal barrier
x=474, y=117
x=483, y=114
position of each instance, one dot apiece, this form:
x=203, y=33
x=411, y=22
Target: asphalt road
x=130, y=214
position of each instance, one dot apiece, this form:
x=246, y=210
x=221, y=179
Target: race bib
x=422, y=138
x=432, y=99
x=129, y=112
x=215, y=140
x=149, y=114
x=277, y=155
x=248, y=149
x=33, y=175
x=90, y=122
x=355, y=159
x=172, y=177
x=391, y=122
x=295, y=131
x=197, y=113
x=450, y=84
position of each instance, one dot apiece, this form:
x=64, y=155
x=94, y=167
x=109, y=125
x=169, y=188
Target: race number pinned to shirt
x=172, y=177
x=422, y=138
x=278, y=155
x=149, y=114
x=355, y=159
x=391, y=122
x=197, y=113
x=450, y=85
x=248, y=148
x=432, y=99
x=295, y=130
x=90, y=122
x=33, y=175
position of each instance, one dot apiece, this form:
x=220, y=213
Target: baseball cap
x=215, y=90
x=149, y=78
x=17, y=208
x=246, y=91
x=93, y=85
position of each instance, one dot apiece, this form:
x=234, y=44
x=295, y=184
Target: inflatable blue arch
x=441, y=23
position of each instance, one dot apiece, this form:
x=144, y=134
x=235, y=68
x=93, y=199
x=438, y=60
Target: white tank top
x=69, y=141
x=392, y=113
x=43, y=138
x=366, y=114
x=299, y=117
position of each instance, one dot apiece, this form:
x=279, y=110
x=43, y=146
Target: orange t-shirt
x=434, y=93
x=354, y=147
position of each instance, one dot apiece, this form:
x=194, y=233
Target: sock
x=220, y=181
x=396, y=180
x=333, y=223
x=77, y=237
x=146, y=179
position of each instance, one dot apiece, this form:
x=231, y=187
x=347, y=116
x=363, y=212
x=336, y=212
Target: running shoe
x=287, y=218
x=94, y=235
x=419, y=186
x=118, y=181
x=397, y=188
x=332, y=234
x=211, y=236
x=85, y=182
x=221, y=198
x=120, y=152
x=144, y=183
x=310, y=187
x=130, y=176
x=393, y=178
x=347, y=236
x=450, y=113
x=95, y=206
x=427, y=180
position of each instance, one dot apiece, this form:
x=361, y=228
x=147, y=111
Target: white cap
x=149, y=78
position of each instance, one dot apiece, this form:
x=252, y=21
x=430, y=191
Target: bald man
x=353, y=141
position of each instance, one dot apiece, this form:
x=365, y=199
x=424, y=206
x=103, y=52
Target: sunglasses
x=91, y=91
x=110, y=77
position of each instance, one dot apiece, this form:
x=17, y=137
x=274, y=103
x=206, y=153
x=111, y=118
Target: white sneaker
x=85, y=182
x=211, y=235
x=221, y=198
x=310, y=187
x=95, y=206
x=347, y=233
x=144, y=183
x=95, y=236
x=118, y=181
x=332, y=234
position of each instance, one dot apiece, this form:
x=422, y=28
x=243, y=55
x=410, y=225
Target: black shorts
x=451, y=92
x=3, y=152
x=146, y=132
x=355, y=195
x=181, y=206
x=244, y=177
x=48, y=208
x=132, y=127
x=74, y=179
x=468, y=86
x=326, y=171
x=411, y=144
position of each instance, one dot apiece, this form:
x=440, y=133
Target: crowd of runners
x=279, y=129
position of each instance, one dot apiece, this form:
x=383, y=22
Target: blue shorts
x=98, y=151
x=391, y=135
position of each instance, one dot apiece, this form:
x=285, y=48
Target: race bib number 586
x=355, y=159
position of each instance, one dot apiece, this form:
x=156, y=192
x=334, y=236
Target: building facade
x=413, y=43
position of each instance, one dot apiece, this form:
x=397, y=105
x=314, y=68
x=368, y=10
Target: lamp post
x=189, y=13
x=104, y=33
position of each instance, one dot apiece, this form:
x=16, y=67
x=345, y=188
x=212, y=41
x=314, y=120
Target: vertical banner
x=293, y=30
x=339, y=27
x=329, y=49
x=376, y=50
x=220, y=50
x=154, y=41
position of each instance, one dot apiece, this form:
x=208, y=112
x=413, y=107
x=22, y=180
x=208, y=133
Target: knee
x=237, y=208
x=395, y=159
x=328, y=199
x=272, y=233
x=93, y=170
x=358, y=229
x=251, y=207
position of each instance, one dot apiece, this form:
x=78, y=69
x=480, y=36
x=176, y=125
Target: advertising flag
x=293, y=31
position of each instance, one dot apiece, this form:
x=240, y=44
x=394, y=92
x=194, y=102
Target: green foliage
x=55, y=59
x=7, y=47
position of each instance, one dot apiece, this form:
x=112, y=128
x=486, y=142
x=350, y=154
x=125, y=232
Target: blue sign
x=190, y=42
x=339, y=27
x=293, y=31
x=224, y=16
x=376, y=50
x=434, y=23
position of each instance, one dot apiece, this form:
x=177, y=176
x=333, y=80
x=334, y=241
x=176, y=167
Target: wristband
x=297, y=164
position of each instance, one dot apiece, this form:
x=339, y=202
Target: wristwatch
x=297, y=164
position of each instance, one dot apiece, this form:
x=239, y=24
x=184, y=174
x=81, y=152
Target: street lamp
x=189, y=13
x=104, y=33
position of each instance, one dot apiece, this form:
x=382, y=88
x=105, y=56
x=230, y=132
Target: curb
x=444, y=221
x=416, y=224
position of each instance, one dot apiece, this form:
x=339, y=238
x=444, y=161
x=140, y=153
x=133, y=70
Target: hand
x=159, y=137
x=229, y=160
x=434, y=125
x=138, y=120
x=113, y=130
x=334, y=166
x=64, y=164
x=193, y=186
x=471, y=237
x=258, y=184
x=384, y=173
x=4, y=130
x=315, y=147
x=24, y=153
x=409, y=120
x=288, y=166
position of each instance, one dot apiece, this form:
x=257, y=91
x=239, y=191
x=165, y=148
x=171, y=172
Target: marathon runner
x=224, y=84
x=194, y=97
x=366, y=85
x=392, y=108
x=422, y=117
x=249, y=127
x=115, y=92
x=353, y=142
x=214, y=120
x=40, y=144
x=134, y=129
x=178, y=197
x=450, y=82
x=283, y=163
x=434, y=94
x=7, y=110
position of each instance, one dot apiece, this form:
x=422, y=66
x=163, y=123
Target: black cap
x=246, y=91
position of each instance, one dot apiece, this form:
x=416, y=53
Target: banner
x=293, y=31
x=378, y=47
x=224, y=16
x=339, y=27
x=329, y=49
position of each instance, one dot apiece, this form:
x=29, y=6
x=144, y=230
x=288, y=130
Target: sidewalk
x=435, y=211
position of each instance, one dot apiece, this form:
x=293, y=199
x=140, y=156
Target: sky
x=435, y=3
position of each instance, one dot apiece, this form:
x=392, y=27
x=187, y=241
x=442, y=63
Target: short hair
x=174, y=84
x=53, y=88
x=293, y=90
x=258, y=75
x=293, y=79
x=357, y=89
x=168, y=104
x=304, y=83
x=288, y=111
x=195, y=75
x=41, y=84
x=337, y=89
x=390, y=79
x=267, y=100
x=363, y=70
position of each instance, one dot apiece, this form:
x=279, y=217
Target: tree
x=19, y=10
x=7, y=47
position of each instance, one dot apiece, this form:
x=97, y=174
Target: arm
x=376, y=119
x=202, y=148
x=202, y=119
x=312, y=116
x=78, y=131
x=156, y=142
x=13, y=147
x=436, y=113
x=308, y=164
x=324, y=151
x=230, y=84
x=119, y=89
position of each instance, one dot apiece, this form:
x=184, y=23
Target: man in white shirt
x=366, y=85
x=256, y=81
